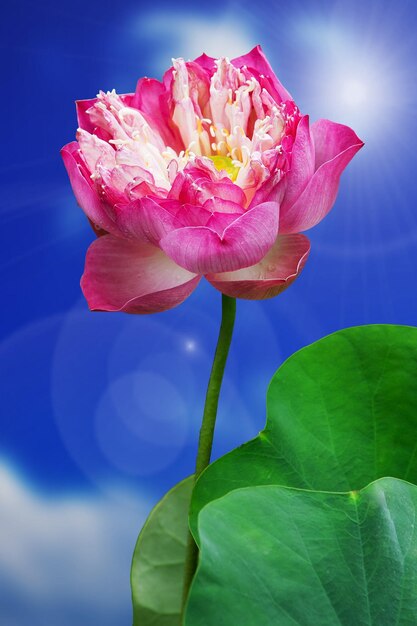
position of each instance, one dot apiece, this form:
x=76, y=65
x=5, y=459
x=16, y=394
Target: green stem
x=205, y=442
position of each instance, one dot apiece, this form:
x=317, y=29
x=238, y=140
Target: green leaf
x=340, y=413
x=279, y=556
x=158, y=560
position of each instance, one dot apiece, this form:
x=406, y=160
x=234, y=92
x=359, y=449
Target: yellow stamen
x=225, y=163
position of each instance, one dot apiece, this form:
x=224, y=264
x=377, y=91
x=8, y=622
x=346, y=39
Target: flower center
x=225, y=163
x=229, y=119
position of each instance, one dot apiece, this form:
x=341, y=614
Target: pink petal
x=190, y=214
x=277, y=270
x=243, y=243
x=150, y=220
x=220, y=221
x=256, y=60
x=272, y=190
x=146, y=220
x=195, y=185
x=206, y=62
x=82, y=107
x=219, y=205
x=145, y=188
x=152, y=99
x=84, y=191
x=330, y=139
x=122, y=275
x=219, y=191
x=302, y=164
x=335, y=146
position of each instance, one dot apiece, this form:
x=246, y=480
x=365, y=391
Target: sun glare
x=355, y=93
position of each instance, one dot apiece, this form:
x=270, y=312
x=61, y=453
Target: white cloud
x=188, y=35
x=65, y=562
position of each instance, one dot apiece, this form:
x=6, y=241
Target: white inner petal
x=240, y=130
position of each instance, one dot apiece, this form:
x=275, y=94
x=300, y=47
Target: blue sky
x=100, y=413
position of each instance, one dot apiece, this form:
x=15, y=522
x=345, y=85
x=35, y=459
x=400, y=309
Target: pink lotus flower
x=212, y=172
